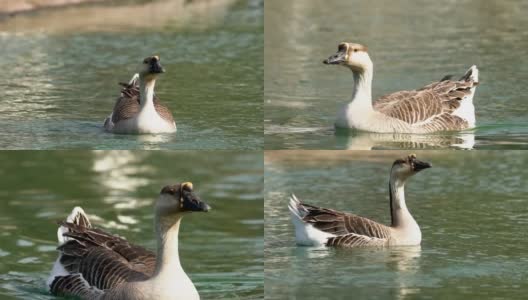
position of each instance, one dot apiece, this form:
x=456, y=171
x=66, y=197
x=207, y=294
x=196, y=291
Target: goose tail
x=134, y=80
x=305, y=233
x=77, y=217
x=471, y=75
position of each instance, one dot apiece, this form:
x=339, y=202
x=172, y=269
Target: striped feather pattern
x=104, y=260
x=430, y=107
x=128, y=104
x=355, y=240
x=349, y=228
x=74, y=285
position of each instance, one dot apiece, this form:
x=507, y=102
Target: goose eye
x=355, y=50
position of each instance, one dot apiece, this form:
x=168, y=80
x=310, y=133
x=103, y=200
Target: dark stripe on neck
x=391, y=198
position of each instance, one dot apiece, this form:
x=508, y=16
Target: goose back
x=128, y=104
x=431, y=107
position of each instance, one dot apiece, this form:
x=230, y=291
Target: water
x=222, y=250
x=411, y=45
x=62, y=68
x=471, y=207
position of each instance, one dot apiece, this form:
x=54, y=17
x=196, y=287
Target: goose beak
x=336, y=59
x=156, y=68
x=419, y=165
x=191, y=202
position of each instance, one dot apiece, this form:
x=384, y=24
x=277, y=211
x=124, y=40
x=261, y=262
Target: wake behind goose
x=93, y=264
x=316, y=226
x=446, y=105
x=138, y=110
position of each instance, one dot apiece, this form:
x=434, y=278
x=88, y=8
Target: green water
x=471, y=207
x=411, y=45
x=220, y=250
x=60, y=81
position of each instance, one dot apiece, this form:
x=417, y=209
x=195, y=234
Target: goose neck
x=400, y=215
x=361, y=93
x=146, y=92
x=168, y=259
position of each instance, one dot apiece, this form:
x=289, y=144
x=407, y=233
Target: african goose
x=446, y=105
x=138, y=110
x=316, y=226
x=93, y=264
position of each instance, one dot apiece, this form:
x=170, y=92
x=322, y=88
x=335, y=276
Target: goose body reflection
x=361, y=140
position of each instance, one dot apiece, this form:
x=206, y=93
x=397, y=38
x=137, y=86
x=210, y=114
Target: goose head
x=178, y=199
x=351, y=55
x=406, y=167
x=151, y=67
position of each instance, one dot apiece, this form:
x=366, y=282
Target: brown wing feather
x=128, y=105
x=74, y=285
x=355, y=240
x=104, y=260
x=434, y=102
x=340, y=223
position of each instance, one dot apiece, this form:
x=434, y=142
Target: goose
x=446, y=105
x=138, y=110
x=94, y=264
x=316, y=226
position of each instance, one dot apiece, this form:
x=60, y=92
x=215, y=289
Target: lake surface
x=471, y=207
x=411, y=46
x=62, y=68
x=222, y=250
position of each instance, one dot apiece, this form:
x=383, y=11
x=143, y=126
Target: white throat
x=362, y=89
x=146, y=93
x=168, y=258
x=169, y=275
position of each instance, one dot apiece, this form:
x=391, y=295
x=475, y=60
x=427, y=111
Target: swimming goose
x=316, y=226
x=446, y=105
x=93, y=264
x=138, y=110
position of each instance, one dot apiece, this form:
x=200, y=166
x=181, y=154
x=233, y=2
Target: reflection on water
x=369, y=141
x=220, y=250
x=468, y=207
x=302, y=96
x=61, y=82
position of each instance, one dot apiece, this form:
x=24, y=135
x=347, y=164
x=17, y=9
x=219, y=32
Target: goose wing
x=128, y=104
x=434, y=103
x=74, y=285
x=354, y=240
x=104, y=260
x=343, y=224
